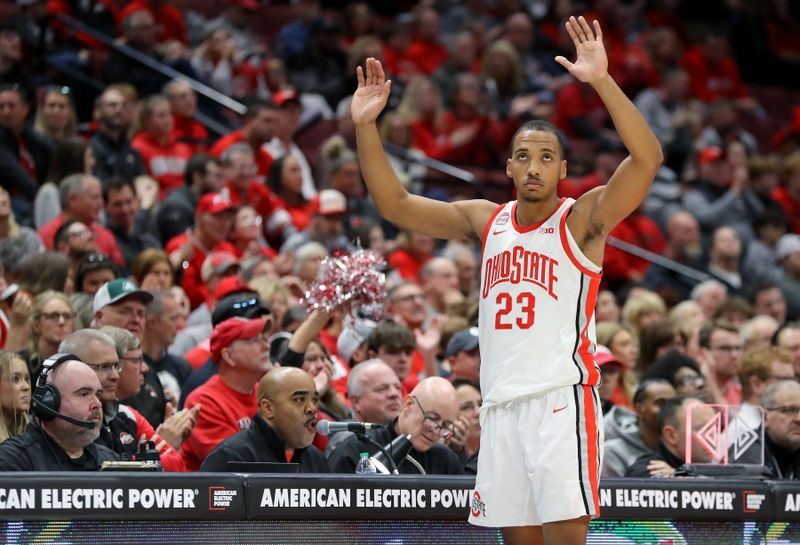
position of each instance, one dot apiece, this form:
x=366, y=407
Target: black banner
x=73, y=496
x=194, y=496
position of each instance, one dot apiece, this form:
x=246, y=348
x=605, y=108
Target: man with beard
x=52, y=443
x=113, y=153
x=74, y=240
x=283, y=428
x=684, y=247
x=258, y=129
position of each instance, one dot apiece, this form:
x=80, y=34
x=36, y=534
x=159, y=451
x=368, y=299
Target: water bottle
x=365, y=465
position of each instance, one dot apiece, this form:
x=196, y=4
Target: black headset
x=46, y=399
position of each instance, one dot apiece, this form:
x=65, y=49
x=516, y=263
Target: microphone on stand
x=326, y=427
x=397, y=452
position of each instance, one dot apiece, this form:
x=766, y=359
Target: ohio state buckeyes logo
x=502, y=219
x=125, y=438
x=478, y=507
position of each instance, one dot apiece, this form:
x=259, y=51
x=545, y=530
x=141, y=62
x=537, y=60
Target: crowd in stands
x=169, y=257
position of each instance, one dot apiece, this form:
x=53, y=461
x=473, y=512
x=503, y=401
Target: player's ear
x=563, y=173
x=508, y=168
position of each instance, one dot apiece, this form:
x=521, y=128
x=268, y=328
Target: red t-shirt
x=191, y=279
x=406, y=264
x=224, y=412
x=165, y=163
x=263, y=158
x=426, y=56
x=300, y=213
x=106, y=243
x=708, y=82
x=168, y=18
x=573, y=102
x=638, y=230
x=790, y=207
x=191, y=133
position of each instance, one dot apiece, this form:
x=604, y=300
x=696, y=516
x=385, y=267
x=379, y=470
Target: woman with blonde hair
x=644, y=309
x=52, y=321
x=17, y=243
x=152, y=270
x=624, y=345
x=15, y=394
x=56, y=117
x=502, y=75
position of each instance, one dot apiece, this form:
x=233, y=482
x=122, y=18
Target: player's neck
x=530, y=213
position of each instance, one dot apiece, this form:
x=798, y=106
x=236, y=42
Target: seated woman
x=15, y=394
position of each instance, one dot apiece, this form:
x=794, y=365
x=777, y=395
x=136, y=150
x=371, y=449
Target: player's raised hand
x=592, y=62
x=372, y=93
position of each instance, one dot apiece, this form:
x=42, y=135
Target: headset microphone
x=46, y=399
x=88, y=424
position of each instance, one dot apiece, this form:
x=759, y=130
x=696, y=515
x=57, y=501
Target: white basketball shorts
x=540, y=459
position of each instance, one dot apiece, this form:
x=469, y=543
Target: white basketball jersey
x=537, y=300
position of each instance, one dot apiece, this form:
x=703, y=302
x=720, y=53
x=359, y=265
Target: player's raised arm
x=441, y=220
x=628, y=186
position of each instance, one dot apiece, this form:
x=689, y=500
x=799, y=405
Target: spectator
x=413, y=251
x=713, y=72
x=51, y=322
x=463, y=355
x=462, y=57
x=126, y=220
x=709, y=294
x=93, y=271
x=229, y=399
x=175, y=214
x=329, y=209
x=760, y=263
x=45, y=271
x=640, y=436
x=724, y=257
x=781, y=400
x=24, y=155
x=82, y=200
x=285, y=180
x=17, y=243
x=607, y=309
x=758, y=331
x=684, y=246
x=469, y=409
x=188, y=251
x=242, y=185
x=15, y=395
x=621, y=268
x=611, y=373
x=724, y=129
x=56, y=118
x=72, y=155
x=735, y=310
x=671, y=452
x=425, y=51
x=788, y=254
x=167, y=19
x=162, y=317
x=788, y=195
x=237, y=19
x=758, y=369
x=374, y=392
x=282, y=145
x=428, y=414
x=681, y=371
x=112, y=150
x=281, y=431
x=788, y=338
x=440, y=283
x=152, y=270
x=258, y=129
x=394, y=344
x=722, y=349
x=74, y=240
x=12, y=70
x=405, y=304
x=642, y=310
x=164, y=157
x=53, y=444
x=185, y=128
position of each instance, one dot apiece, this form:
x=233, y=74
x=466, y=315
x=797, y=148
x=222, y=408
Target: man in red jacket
x=258, y=129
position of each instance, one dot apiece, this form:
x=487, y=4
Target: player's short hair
x=544, y=126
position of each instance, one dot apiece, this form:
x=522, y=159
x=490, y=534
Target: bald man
x=58, y=445
x=283, y=428
x=427, y=415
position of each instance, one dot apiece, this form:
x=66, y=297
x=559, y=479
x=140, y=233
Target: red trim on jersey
x=488, y=226
x=562, y=228
x=591, y=447
x=536, y=225
x=592, y=372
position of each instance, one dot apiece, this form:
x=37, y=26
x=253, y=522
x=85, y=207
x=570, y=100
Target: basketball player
x=540, y=276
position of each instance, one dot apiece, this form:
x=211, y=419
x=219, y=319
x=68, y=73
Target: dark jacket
x=176, y=214
x=783, y=463
x=438, y=460
x=150, y=401
x=115, y=158
x=133, y=243
x=35, y=450
x=15, y=178
x=639, y=467
x=260, y=443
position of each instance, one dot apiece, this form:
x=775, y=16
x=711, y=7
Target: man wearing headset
x=66, y=403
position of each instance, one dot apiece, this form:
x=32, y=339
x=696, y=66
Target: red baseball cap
x=329, y=202
x=229, y=285
x=287, y=95
x=603, y=356
x=234, y=329
x=218, y=263
x=709, y=155
x=214, y=203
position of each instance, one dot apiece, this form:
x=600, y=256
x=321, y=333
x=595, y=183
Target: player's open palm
x=592, y=62
x=372, y=93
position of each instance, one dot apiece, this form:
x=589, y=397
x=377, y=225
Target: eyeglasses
x=97, y=258
x=134, y=361
x=433, y=424
x=410, y=297
x=696, y=381
x=107, y=367
x=728, y=348
x=250, y=220
x=55, y=316
x=786, y=410
x=82, y=234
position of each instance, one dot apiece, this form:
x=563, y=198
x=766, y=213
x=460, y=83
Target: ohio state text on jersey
x=537, y=299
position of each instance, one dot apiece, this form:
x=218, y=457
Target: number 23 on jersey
x=514, y=311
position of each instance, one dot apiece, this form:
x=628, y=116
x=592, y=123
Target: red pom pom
x=349, y=279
